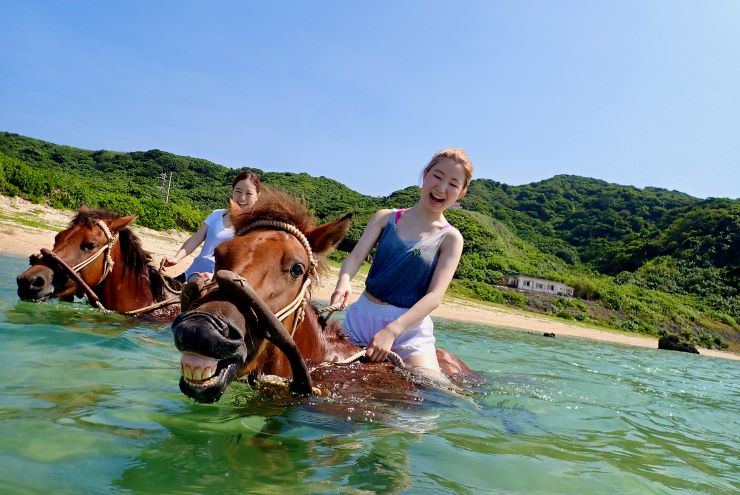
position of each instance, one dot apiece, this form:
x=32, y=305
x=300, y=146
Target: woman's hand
x=381, y=344
x=341, y=294
x=170, y=261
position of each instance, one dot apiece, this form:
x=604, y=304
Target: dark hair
x=249, y=176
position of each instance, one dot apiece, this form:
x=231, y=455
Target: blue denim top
x=401, y=270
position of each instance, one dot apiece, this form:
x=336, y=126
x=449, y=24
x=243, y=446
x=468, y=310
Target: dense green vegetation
x=652, y=238
x=647, y=260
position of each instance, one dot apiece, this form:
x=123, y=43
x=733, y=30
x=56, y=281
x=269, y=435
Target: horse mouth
x=205, y=379
x=213, y=340
x=38, y=297
x=35, y=295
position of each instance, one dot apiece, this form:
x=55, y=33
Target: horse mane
x=135, y=259
x=280, y=206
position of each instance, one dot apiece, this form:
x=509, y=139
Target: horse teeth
x=197, y=368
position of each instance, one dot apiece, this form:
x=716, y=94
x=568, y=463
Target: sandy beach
x=21, y=239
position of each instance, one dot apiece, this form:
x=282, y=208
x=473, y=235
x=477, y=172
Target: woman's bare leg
x=426, y=364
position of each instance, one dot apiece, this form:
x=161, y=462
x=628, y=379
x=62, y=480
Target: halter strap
x=298, y=304
x=110, y=242
x=73, y=271
x=285, y=227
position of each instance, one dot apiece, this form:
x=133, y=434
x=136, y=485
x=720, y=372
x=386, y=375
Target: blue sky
x=645, y=93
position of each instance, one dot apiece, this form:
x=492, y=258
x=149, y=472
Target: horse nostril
x=224, y=329
x=38, y=282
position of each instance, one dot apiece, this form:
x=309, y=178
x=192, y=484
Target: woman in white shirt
x=215, y=229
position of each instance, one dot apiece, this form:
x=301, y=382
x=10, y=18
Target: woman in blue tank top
x=416, y=255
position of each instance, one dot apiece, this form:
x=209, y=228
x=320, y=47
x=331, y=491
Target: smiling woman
x=259, y=304
x=417, y=253
x=217, y=228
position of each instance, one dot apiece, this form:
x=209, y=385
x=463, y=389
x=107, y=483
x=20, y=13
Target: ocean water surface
x=89, y=403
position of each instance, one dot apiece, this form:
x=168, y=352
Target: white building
x=536, y=284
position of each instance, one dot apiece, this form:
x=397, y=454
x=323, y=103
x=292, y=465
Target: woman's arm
x=449, y=257
x=352, y=262
x=188, y=246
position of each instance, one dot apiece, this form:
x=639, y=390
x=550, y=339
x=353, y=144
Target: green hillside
x=646, y=260
x=654, y=238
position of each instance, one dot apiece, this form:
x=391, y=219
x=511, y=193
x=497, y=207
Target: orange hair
x=457, y=155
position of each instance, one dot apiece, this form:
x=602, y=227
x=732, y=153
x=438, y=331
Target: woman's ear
x=463, y=192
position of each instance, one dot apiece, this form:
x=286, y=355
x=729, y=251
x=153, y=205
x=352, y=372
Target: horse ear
x=325, y=238
x=118, y=224
x=84, y=209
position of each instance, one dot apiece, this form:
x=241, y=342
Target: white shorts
x=365, y=318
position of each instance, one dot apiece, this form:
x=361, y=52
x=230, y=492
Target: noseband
x=298, y=305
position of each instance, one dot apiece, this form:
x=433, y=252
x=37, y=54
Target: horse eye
x=89, y=246
x=296, y=270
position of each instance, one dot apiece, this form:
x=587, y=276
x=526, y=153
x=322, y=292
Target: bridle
x=73, y=271
x=108, y=263
x=298, y=305
x=52, y=261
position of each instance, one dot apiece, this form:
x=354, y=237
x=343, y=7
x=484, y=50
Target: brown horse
x=239, y=327
x=98, y=256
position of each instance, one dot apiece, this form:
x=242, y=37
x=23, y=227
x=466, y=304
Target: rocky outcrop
x=674, y=343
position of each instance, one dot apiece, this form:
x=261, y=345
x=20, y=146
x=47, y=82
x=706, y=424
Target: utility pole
x=163, y=178
x=164, y=192
x=169, y=184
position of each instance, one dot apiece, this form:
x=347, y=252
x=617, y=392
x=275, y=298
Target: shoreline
x=25, y=237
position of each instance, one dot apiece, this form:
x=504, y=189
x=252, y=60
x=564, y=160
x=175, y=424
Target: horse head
x=261, y=287
x=87, y=246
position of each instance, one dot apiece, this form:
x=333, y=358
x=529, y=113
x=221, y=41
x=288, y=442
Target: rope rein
x=331, y=309
x=392, y=356
x=164, y=279
x=74, y=271
x=283, y=383
x=152, y=307
x=299, y=302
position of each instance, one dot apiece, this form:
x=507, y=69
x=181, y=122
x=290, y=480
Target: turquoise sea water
x=89, y=403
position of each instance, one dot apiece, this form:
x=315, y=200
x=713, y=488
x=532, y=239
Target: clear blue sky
x=645, y=93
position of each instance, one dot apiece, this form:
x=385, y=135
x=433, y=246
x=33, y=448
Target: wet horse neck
x=123, y=290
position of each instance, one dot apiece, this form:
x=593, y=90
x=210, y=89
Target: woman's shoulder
x=382, y=216
x=453, y=235
x=215, y=215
